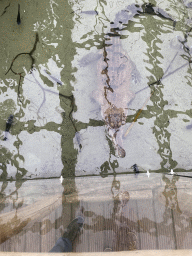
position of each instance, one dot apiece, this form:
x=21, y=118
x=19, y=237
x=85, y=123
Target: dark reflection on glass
x=123, y=228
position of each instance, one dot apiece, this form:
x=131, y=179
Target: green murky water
x=49, y=81
x=57, y=121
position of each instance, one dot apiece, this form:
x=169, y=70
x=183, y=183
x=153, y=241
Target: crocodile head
x=115, y=117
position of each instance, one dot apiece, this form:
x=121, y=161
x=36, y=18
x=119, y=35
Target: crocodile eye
x=119, y=124
x=104, y=71
x=112, y=125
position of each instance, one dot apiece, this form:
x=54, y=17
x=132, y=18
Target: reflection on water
x=121, y=213
x=100, y=82
x=90, y=93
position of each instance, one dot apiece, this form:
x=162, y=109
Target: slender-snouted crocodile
x=116, y=72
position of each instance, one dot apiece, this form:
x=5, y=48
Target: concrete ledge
x=124, y=253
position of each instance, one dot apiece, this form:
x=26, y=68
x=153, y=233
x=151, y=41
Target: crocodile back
x=115, y=75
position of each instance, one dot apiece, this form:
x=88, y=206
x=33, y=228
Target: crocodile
x=116, y=72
